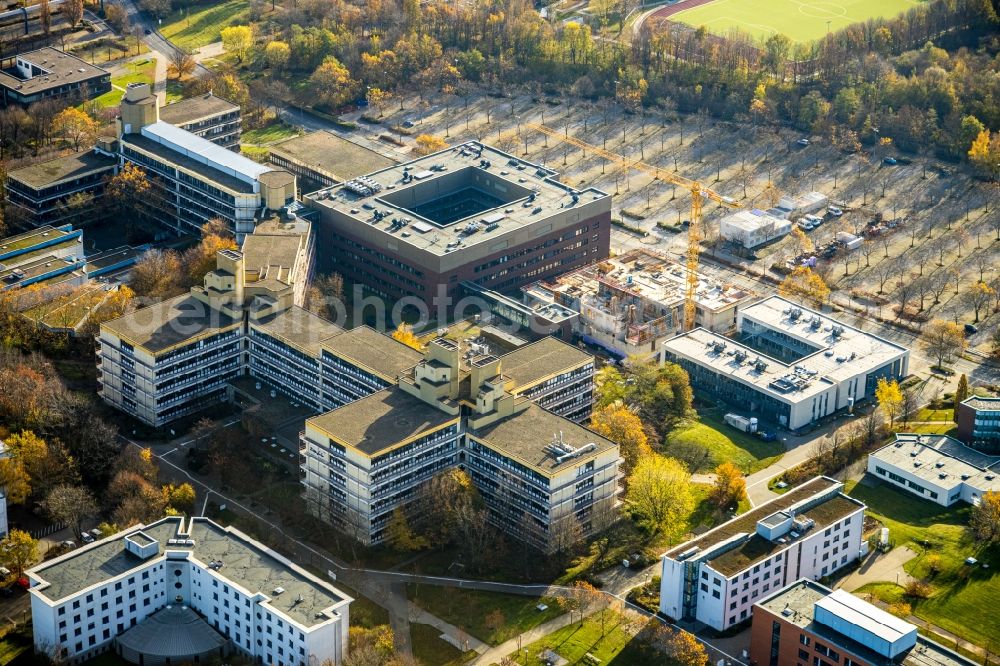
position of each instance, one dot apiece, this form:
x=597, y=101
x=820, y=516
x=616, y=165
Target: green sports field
x=800, y=20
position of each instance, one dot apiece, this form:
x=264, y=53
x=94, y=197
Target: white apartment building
x=787, y=363
x=541, y=474
x=937, y=468
x=809, y=532
x=185, y=590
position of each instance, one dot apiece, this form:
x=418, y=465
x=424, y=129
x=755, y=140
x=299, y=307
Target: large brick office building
x=468, y=213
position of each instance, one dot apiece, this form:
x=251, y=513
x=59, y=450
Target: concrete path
x=493, y=655
x=879, y=568
x=456, y=636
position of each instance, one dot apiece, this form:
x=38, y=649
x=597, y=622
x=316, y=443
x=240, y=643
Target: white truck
x=741, y=423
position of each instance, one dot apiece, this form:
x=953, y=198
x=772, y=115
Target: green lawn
x=574, y=641
x=946, y=428
x=139, y=71
x=719, y=442
x=467, y=609
x=963, y=598
x=928, y=414
x=201, y=24
x=271, y=133
x=431, y=650
x=11, y=647
x=800, y=21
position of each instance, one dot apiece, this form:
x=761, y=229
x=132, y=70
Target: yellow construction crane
x=694, y=224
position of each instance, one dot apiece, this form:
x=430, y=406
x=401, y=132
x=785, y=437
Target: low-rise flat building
x=809, y=532
x=184, y=590
x=787, y=363
x=545, y=479
x=207, y=116
x=43, y=255
x=49, y=73
x=194, y=180
x=807, y=624
x=751, y=228
x=323, y=159
x=978, y=419
x=937, y=468
x=630, y=303
x=469, y=213
x=43, y=193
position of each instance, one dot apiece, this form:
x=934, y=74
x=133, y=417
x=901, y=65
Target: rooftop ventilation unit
x=278, y=591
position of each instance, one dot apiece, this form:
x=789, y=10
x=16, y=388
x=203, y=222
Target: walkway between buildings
x=387, y=587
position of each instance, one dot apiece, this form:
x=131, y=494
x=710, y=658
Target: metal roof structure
x=204, y=151
x=869, y=618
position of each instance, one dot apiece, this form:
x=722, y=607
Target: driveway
x=879, y=568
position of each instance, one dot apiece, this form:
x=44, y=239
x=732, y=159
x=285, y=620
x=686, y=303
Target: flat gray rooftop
x=168, y=323
x=64, y=69
x=68, y=167
x=796, y=604
x=541, y=360
x=381, y=420
x=244, y=562
x=193, y=109
x=526, y=435
x=299, y=328
x=942, y=461
x=979, y=402
x=439, y=196
x=367, y=348
x=836, y=352
x=331, y=155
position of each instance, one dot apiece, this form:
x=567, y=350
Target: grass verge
x=962, y=598
x=138, y=71
x=468, y=610
x=430, y=649
x=718, y=442
x=200, y=25
x=270, y=133
x=615, y=646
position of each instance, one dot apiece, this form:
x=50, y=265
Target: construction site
x=896, y=239
x=631, y=302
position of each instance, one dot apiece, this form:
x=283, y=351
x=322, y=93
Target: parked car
x=891, y=161
x=148, y=31
x=766, y=436
x=803, y=142
x=816, y=220
x=805, y=225
x=835, y=211
x=96, y=533
x=87, y=538
x=971, y=329
x=407, y=124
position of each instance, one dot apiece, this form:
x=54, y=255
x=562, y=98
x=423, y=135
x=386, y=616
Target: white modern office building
x=937, y=468
x=183, y=591
x=787, y=363
x=809, y=532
